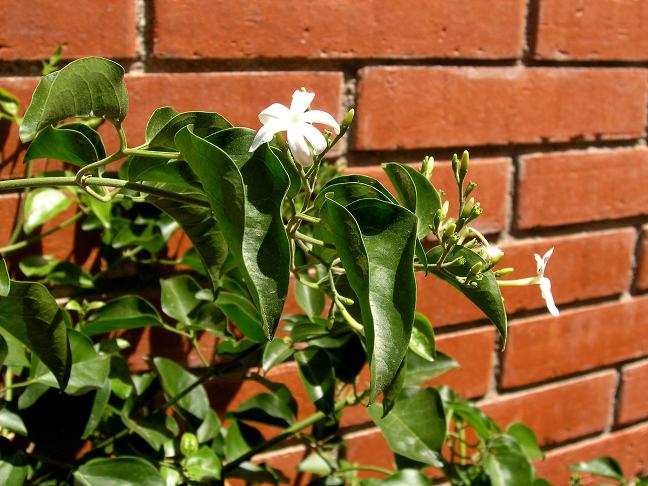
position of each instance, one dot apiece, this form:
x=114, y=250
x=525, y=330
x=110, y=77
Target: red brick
x=628, y=446
x=421, y=107
x=285, y=460
x=573, y=272
x=602, y=30
x=368, y=447
x=559, y=412
x=575, y=187
x=594, y=336
x=642, y=268
x=492, y=176
x=200, y=29
x=239, y=96
x=634, y=393
x=32, y=30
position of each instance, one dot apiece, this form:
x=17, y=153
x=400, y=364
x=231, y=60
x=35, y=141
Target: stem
x=151, y=153
x=196, y=346
x=22, y=244
x=377, y=469
x=21, y=384
x=306, y=217
x=311, y=240
x=292, y=430
x=21, y=209
x=521, y=282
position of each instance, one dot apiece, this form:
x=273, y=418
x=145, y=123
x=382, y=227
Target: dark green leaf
x=42, y=205
x=14, y=468
x=15, y=351
x=179, y=297
x=375, y=241
x=174, y=172
x=416, y=426
x=266, y=408
x=240, y=438
x=31, y=315
x=118, y=471
x=64, y=144
x=98, y=407
x=486, y=295
x=247, y=205
x=158, y=121
x=416, y=193
x=204, y=123
x=317, y=376
x=422, y=340
x=526, y=439
x=55, y=272
x=484, y=426
x=605, y=466
x=126, y=312
x=209, y=428
x=90, y=133
x=235, y=142
x=506, y=464
x=409, y=477
x=362, y=179
x=5, y=281
x=9, y=103
x=291, y=170
x=175, y=379
x=309, y=299
x=156, y=429
x=348, y=192
x=274, y=353
x=393, y=391
x=12, y=421
x=90, y=86
x=203, y=465
x=243, y=314
x=421, y=370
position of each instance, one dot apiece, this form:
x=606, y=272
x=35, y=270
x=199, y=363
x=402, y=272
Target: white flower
x=296, y=121
x=493, y=254
x=545, y=284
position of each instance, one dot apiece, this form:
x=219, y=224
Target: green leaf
x=317, y=376
x=176, y=173
x=14, y=468
x=178, y=297
x=409, y=477
x=420, y=370
x=102, y=395
x=604, y=466
x=416, y=193
x=126, y=312
x=291, y=170
x=155, y=429
x=158, y=121
x=16, y=355
x=12, y=421
x=274, y=353
x=31, y=315
x=362, y=179
x=309, y=299
x=55, y=272
x=175, y=379
x=506, y=464
x=9, y=103
x=240, y=438
x=422, y=339
x=91, y=86
x=416, y=426
x=486, y=295
x=42, y=205
x=348, y=192
x=89, y=369
x=247, y=205
x=5, y=281
x=266, y=408
x=484, y=426
x=118, y=471
x=235, y=142
x=209, y=428
x=203, y=465
x=318, y=463
x=526, y=439
x=204, y=123
x=375, y=242
x=64, y=144
x=393, y=391
x=243, y=314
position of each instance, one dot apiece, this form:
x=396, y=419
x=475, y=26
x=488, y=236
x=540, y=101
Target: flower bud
x=476, y=268
x=450, y=229
x=445, y=208
x=455, y=165
x=494, y=255
x=346, y=122
x=427, y=166
x=189, y=444
x=465, y=159
x=503, y=271
x=470, y=188
x=468, y=207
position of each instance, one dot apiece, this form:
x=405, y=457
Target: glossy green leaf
x=158, y=121
x=484, y=426
x=422, y=340
x=14, y=469
x=176, y=173
x=274, y=353
x=266, y=408
x=309, y=299
x=240, y=438
x=416, y=426
x=420, y=370
x=375, y=241
x=178, y=297
x=204, y=123
x=31, y=315
x=12, y=421
x=203, y=465
x=604, y=466
x=348, y=192
x=409, y=477
x=526, y=439
x=243, y=314
x=235, y=142
x=64, y=144
x=42, y=205
x=55, y=272
x=416, y=193
x=16, y=355
x=506, y=464
x=362, y=179
x=209, y=428
x=291, y=170
x=9, y=103
x=4, y=350
x=90, y=86
x=5, y=280
x=175, y=379
x=155, y=429
x=393, y=391
x=90, y=133
x=316, y=373
x=126, y=312
x=102, y=395
x=118, y=471
x=318, y=463
x=247, y=205
x=486, y=295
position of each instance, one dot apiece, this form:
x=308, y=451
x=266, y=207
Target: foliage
x=72, y=408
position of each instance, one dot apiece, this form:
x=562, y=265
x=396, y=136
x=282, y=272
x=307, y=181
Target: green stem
x=22, y=244
x=377, y=469
x=21, y=384
x=306, y=217
x=311, y=240
x=151, y=153
x=521, y=282
x=290, y=431
x=21, y=209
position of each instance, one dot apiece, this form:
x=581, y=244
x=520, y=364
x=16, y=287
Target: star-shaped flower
x=545, y=283
x=296, y=121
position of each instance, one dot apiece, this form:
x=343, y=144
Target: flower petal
x=300, y=101
x=275, y=111
x=540, y=264
x=545, y=290
x=266, y=133
x=546, y=256
x=319, y=116
x=314, y=136
x=298, y=145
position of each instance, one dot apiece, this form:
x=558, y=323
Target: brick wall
x=549, y=96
